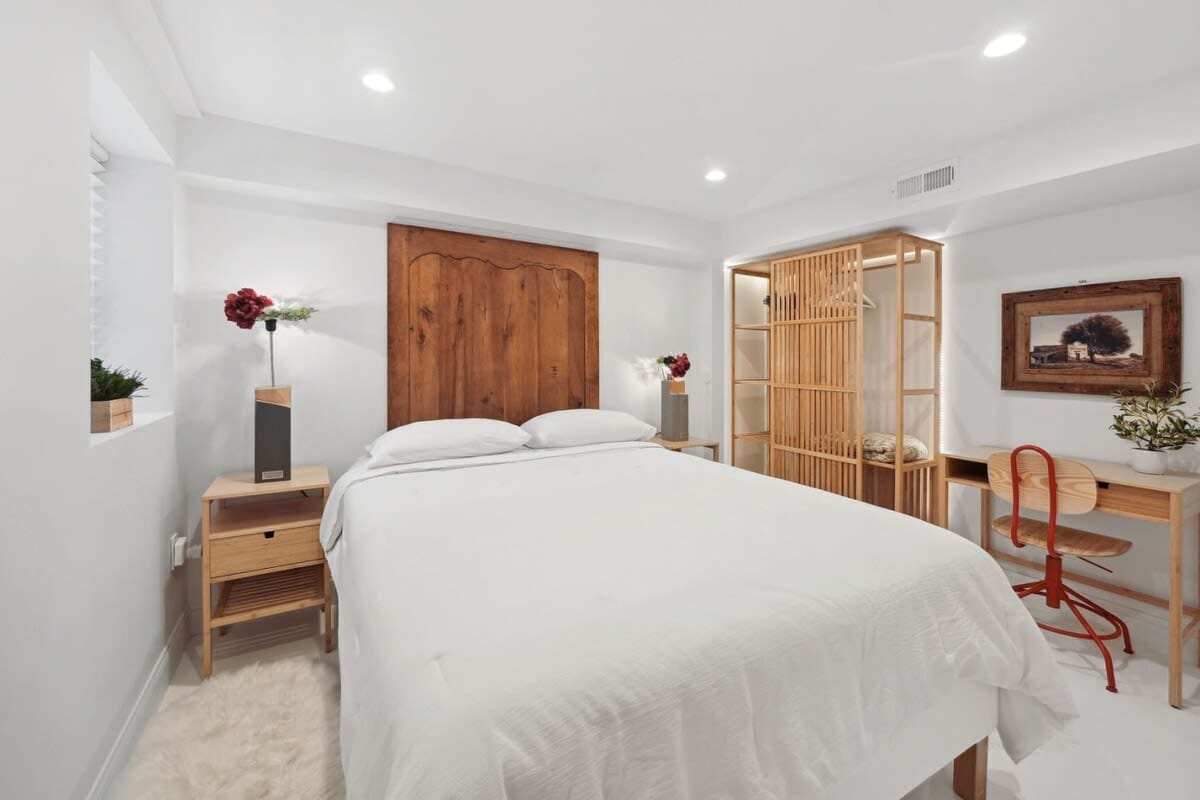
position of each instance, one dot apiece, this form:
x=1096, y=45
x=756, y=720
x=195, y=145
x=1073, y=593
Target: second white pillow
x=579, y=426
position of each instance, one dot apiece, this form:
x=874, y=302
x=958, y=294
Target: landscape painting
x=1099, y=338
x=1103, y=341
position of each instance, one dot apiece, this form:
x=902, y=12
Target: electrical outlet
x=177, y=550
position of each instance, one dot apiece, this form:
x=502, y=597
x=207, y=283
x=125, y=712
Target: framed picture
x=1093, y=338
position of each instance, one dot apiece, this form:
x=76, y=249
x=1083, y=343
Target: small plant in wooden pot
x=1155, y=422
x=112, y=396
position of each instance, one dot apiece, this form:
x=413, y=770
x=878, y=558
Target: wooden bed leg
x=970, y=772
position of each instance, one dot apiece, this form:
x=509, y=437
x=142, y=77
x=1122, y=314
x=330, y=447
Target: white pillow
x=436, y=439
x=579, y=426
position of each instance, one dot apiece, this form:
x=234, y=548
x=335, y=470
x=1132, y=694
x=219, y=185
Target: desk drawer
x=255, y=552
x=1133, y=501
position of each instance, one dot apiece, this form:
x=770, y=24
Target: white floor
x=1127, y=746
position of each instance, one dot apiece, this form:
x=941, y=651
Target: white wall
x=1157, y=119
x=87, y=595
x=337, y=363
x=255, y=159
x=647, y=311
x=1149, y=239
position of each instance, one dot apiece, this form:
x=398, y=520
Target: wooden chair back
x=1076, y=483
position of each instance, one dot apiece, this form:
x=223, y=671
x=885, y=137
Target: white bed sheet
x=619, y=621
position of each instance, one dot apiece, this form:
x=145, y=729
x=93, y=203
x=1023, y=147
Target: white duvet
x=619, y=621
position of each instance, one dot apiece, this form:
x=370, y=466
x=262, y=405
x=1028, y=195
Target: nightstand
x=711, y=444
x=261, y=551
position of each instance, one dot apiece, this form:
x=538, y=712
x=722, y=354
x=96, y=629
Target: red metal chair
x=1031, y=478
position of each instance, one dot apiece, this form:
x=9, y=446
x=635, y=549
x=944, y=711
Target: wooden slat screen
x=816, y=358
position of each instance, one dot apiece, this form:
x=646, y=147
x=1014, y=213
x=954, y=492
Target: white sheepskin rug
x=266, y=731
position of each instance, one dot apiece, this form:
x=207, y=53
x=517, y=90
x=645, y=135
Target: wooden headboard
x=485, y=327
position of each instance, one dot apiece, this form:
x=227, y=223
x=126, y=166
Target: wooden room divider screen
x=816, y=369
x=835, y=374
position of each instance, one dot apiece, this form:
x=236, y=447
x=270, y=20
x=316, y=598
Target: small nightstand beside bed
x=261, y=553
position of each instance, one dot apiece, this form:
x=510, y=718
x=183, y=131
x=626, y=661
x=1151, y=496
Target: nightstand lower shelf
x=244, y=599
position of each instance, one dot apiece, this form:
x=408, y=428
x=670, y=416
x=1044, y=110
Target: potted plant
x=1155, y=422
x=112, y=396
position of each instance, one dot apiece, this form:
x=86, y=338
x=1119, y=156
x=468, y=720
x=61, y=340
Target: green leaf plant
x=1156, y=420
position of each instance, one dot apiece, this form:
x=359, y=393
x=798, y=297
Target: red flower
x=244, y=307
x=680, y=365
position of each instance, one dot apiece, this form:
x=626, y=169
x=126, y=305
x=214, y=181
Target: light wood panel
x=816, y=368
x=1077, y=490
x=487, y=327
x=818, y=357
x=1067, y=540
x=265, y=551
x=749, y=410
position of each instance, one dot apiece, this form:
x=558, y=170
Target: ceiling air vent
x=934, y=179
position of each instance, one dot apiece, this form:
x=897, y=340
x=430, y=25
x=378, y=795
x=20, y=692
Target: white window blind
x=99, y=156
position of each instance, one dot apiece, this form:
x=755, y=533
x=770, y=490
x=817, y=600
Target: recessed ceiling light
x=378, y=82
x=1005, y=44
x=715, y=175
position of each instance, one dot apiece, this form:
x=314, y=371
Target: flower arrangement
x=674, y=367
x=246, y=307
x=113, y=383
x=1156, y=420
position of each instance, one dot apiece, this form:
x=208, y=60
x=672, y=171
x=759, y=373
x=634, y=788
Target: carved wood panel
x=487, y=327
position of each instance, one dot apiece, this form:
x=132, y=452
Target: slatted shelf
x=266, y=595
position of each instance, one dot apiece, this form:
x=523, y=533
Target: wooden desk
x=1167, y=499
x=714, y=446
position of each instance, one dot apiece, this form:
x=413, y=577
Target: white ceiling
x=636, y=100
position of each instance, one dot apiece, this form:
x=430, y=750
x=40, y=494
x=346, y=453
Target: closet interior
x=836, y=379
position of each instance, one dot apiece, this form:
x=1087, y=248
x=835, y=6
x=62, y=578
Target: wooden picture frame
x=1129, y=332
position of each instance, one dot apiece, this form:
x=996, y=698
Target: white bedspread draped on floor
x=619, y=621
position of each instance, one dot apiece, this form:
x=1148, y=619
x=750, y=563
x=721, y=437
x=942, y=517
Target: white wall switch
x=178, y=550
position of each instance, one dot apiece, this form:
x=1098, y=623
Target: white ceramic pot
x=1150, y=462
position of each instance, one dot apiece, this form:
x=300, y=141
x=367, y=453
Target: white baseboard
x=144, y=707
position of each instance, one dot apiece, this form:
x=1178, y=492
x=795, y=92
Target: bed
x=618, y=621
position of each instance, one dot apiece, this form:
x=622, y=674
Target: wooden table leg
x=716, y=450
x=970, y=772
x=985, y=520
x=205, y=592
x=1175, y=604
x=943, y=497
x=327, y=611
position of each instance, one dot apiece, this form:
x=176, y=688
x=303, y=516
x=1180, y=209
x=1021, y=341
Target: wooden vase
x=111, y=415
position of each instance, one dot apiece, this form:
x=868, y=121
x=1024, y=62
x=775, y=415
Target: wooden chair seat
x=1069, y=541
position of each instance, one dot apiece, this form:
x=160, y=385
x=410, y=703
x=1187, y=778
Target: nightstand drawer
x=255, y=552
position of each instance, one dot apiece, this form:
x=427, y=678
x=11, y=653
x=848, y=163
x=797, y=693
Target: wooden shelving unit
x=261, y=551
x=843, y=366
x=750, y=343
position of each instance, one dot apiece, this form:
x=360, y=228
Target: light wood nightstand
x=711, y=444
x=261, y=551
